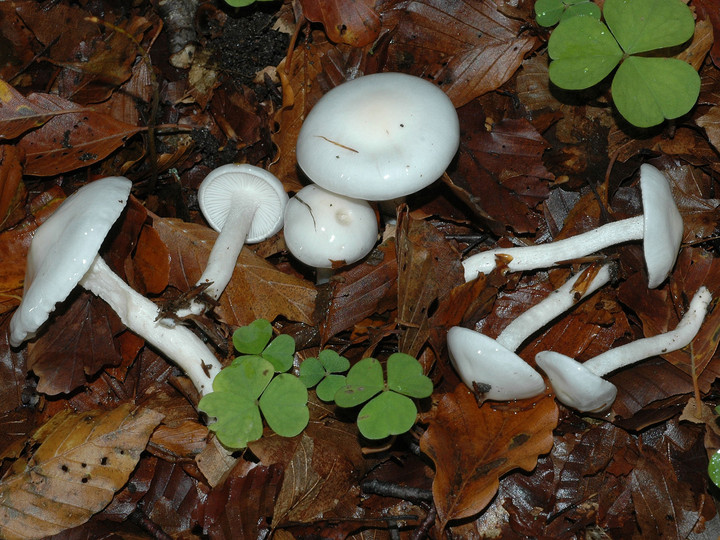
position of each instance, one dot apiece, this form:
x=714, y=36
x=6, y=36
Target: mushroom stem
x=676, y=339
x=138, y=313
x=228, y=246
x=546, y=255
x=556, y=303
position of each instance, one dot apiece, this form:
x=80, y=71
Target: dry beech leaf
x=710, y=9
x=468, y=48
x=73, y=140
x=710, y=121
x=354, y=22
x=82, y=460
x=359, y=292
x=12, y=189
x=150, y=265
x=257, y=289
x=473, y=446
x=428, y=269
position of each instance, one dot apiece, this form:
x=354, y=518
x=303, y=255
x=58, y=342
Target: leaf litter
x=76, y=104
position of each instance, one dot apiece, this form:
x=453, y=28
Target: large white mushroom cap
x=64, y=248
x=323, y=227
x=379, y=137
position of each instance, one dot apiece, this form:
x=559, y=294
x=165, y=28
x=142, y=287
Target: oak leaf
x=473, y=446
x=82, y=460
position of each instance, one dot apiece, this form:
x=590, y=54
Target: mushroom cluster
x=492, y=366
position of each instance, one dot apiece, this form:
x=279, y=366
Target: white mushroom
x=324, y=229
x=64, y=254
x=581, y=386
x=245, y=204
x=660, y=227
x=493, y=364
x=379, y=137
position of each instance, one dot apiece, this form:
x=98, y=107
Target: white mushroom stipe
x=660, y=227
x=64, y=254
x=245, y=204
x=581, y=386
x=379, y=137
x=493, y=363
x=325, y=230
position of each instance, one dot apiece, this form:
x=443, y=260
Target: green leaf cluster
x=646, y=88
x=256, y=383
x=389, y=409
x=325, y=372
x=550, y=12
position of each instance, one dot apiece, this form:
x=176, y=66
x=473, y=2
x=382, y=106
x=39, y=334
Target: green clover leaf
x=387, y=414
x=714, y=468
x=311, y=371
x=405, y=376
x=253, y=338
x=549, y=12
x=284, y=405
x=324, y=370
x=280, y=352
x=646, y=90
x=363, y=381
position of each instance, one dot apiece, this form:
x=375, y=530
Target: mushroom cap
x=322, y=227
x=478, y=358
x=574, y=384
x=229, y=185
x=663, y=225
x=379, y=137
x=63, y=248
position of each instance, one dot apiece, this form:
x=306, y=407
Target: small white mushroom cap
x=662, y=225
x=581, y=386
x=230, y=185
x=379, y=137
x=63, y=249
x=480, y=359
x=575, y=385
x=323, y=227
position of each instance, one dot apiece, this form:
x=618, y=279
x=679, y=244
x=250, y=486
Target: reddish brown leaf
x=428, y=268
x=12, y=372
x=710, y=9
x=73, y=140
x=257, y=289
x=19, y=114
x=473, y=446
x=469, y=48
x=230, y=513
x=12, y=190
x=76, y=344
x=354, y=22
x=354, y=294
x=500, y=173
x=149, y=269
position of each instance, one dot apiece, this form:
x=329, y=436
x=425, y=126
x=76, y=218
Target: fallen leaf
x=82, y=460
x=73, y=140
x=710, y=121
x=354, y=22
x=12, y=189
x=468, y=48
x=710, y=9
x=257, y=289
x=473, y=446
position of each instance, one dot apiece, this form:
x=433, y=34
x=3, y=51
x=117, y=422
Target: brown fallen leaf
x=354, y=22
x=473, y=446
x=468, y=48
x=256, y=290
x=82, y=460
x=710, y=9
x=72, y=140
x=12, y=189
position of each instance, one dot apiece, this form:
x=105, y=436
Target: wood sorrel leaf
x=247, y=376
x=284, y=405
x=645, y=25
x=583, y=53
x=280, y=352
x=364, y=380
x=253, y=338
x=405, y=375
x=311, y=371
x=237, y=416
x=329, y=386
x=333, y=362
x=387, y=414
x=646, y=91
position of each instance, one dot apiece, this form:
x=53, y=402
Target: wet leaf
x=82, y=460
x=472, y=447
x=12, y=190
x=354, y=22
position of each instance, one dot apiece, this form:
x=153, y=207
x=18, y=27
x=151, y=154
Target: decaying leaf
x=472, y=447
x=257, y=289
x=12, y=189
x=354, y=22
x=81, y=461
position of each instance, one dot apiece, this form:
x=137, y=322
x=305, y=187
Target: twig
x=387, y=489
